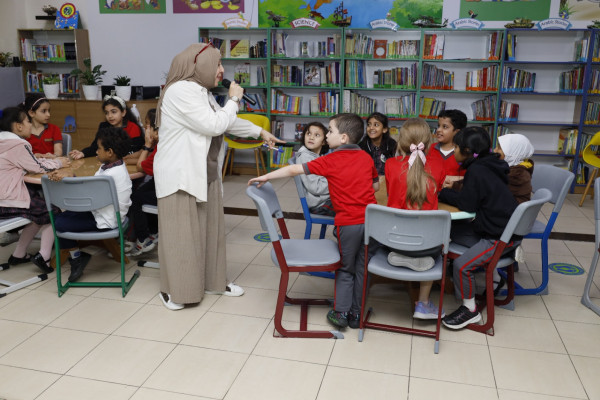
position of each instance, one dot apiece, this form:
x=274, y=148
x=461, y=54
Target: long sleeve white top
x=105, y=217
x=190, y=117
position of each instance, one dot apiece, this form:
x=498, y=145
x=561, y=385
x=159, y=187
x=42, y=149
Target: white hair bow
x=117, y=98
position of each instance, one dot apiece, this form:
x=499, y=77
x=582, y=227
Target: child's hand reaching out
x=261, y=180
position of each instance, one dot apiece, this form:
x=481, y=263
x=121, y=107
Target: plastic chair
x=557, y=181
x=590, y=158
x=255, y=144
x=294, y=255
x=310, y=218
x=150, y=209
x=67, y=144
x=86, y=194
x=5, y=226
x=585, y=298
x=405, y=230
x=520, y=224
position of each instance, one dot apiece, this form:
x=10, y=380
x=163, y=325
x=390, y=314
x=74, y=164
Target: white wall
x=140, y=46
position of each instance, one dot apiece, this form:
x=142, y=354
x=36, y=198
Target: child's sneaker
x=426, y=311
x=154, y=237
x=339, y=319
x=142, y=247
x=354, y=320
x=461, y=318
x=128, y=246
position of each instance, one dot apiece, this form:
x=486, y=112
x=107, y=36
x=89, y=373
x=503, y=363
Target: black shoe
x=339, y=319
x=78, y=265
x=354, y=320
x=42, y=264
x=12, y=260
x=461, y=318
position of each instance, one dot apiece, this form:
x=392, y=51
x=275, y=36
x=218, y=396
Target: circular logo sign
x=67, y=10
x=566, y=269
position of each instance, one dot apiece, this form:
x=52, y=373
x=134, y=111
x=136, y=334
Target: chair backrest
x=524, y=216
x=299, y=186
x=589, y=154
x=67, y=144
x=557, y=180
x=268, y=207
x=257, y=119
x=407, y=230
x=81, y=194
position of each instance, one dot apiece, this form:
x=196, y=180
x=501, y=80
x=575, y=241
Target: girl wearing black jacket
x=377, y=142
x=485, y=192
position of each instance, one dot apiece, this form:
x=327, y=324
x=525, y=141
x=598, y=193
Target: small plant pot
x=123, y=92
x=51, y=90
x=91, y=92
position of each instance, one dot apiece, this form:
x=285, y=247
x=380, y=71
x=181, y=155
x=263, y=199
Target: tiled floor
x=94, y=344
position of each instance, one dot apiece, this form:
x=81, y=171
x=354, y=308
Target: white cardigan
x=188, y=123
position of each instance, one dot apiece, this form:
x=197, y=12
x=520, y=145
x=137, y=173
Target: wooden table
x=87, y=167
x=83, y=167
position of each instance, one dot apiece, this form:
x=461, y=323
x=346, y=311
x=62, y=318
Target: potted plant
x=51, y=84
x=122, y=87
x=6, y=59
x=90, y=79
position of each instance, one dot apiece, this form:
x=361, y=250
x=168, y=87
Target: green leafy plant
x=51, y=79
x=6, y=59
x=89, y=76
x=122, y=80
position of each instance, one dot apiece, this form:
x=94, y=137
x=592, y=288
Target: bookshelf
x=52, y=51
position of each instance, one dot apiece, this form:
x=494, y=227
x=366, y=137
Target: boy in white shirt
x=113, y=145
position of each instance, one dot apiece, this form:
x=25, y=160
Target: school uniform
x=350, y=173
x=133, y=131
x=44, y=143
x=380, y=154
x=451, y=167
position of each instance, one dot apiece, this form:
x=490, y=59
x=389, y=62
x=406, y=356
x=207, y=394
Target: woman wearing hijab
x=191, y=249
x=517, y=150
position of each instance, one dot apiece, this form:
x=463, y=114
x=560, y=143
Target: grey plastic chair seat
x=12, y=223
x=299, y=252
x=379, y=266
x=101, y=235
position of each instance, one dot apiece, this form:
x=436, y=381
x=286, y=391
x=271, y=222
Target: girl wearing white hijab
x=191, y=249
x=516, y=150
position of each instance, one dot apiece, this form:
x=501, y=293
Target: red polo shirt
x=45, y=142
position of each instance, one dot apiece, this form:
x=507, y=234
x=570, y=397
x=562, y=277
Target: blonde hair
x=415, y=131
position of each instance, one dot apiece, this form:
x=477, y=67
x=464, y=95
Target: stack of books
x=437, y=78
x=358, y=104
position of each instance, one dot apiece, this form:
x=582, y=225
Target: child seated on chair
x=517, y=150
x=20, y=199
x=113, y=144
x=145, y=194
x=485, y=192
x=413, y=179
x=317, y=189
x=353, y=180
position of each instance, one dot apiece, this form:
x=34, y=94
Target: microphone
x=226, y=83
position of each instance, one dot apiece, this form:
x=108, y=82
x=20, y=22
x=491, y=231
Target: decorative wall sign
x=383, y=24
x=67, y=17
x=466, y=23
x=554, y=23
x=305, y=22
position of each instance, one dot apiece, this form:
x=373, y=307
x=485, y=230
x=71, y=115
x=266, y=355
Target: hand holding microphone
x=237, y=90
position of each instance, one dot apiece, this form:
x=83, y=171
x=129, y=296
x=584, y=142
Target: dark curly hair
x=457, y=117
x=325, y=146
x=116, y=139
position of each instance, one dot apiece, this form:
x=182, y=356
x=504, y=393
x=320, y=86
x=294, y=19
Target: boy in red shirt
x=353, y=180
x=450, y=122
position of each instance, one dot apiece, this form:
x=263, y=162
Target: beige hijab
x=183, y=68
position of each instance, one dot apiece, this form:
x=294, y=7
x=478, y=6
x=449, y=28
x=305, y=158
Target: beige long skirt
x=191, y=249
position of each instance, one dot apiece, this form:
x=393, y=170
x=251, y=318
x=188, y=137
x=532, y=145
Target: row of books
x=567, y=141
x=517, y=80
x=431, y=108
x=401, y=107
x=313, y=74
x=594, y=81
x=581, y=174
x=511, y=46
x=47, y=52
x=238, y=48
x=358, y=104
x=571, y=81
x=483, y=110
x=509, y=112
x=592, y=113
x=433, y=47
x=596, y=49
x=581, y=50
x=437, y=78
x=355, y=74
x=259, y=99
x=325, y=48
x=280, y=156
x=282, y=103
x=397, y=78
x=291, y=75
x=69, y=84
x=494, y=45
x=485, y=79
x=325, y=103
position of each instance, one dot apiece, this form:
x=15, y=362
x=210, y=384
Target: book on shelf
x=358, y=104
x=581, y=50
x=298, y=132
x=380, y=48
x=511, y=46
x=282, y=103
x=567, y=141
x=517, y=80
x=571, y=81
x=259, y=99
x=325, y=103
x=261, y=75
x=239, y=48
x=433, y=47
x=401, y=107
x=280, y=155
x=278, y=128
x=304, y=49
x=241, y=74
x=494, y=45
x=484, y=79
x=509, y=112
x=437, y=78
x=312, y=73
x=431, y=108
x=592, y=113
x=217, y=43
x=259, y=50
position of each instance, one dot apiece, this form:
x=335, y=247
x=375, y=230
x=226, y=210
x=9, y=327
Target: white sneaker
x=232, y=290
x=128, y=246
x=142, y=247
x=414, y=263
x=166, y=299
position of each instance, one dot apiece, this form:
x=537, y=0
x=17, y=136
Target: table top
x=83, y=167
